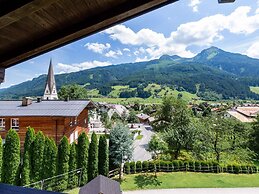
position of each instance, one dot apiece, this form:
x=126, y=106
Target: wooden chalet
x=54, y=118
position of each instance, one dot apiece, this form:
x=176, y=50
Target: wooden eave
x=32, y=27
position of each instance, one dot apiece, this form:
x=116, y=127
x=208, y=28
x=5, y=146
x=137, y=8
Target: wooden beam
x=2, y=75
x=85, y=27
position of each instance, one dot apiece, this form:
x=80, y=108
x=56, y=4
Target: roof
x=44, y=108
x=240, y=116
x=101, y=184
x=29, y=28
x=10, y=189
x=142, y=116
x=248, y=111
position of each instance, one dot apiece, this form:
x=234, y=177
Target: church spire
x=50, y=92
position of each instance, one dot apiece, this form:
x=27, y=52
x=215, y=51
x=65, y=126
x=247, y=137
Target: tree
x=103, y=156
x=93, y=158
x=121, y=145
x=156, y=145
x=63, y=163
x=37, y=156
x=82, y=158
x=178, y=133
x=27, y=157
x=132, y=118
x=72, y=177
x=49, y=161
x=11, y=157
x=255, y=136
x=72, y=92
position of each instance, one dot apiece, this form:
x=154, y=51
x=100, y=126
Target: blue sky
x=183, y=28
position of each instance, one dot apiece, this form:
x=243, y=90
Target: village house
x=244, y=113
x=144, y=118
x=54, y=118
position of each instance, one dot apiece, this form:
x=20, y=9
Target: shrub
x=127, y=168
x=132, y=167
x=11, y=157
x=181, y=165
x=72, y=177
x=151, y=166
x=93, y=158
x=230, y=169
x=192, y=166
x=145, y=166
x=236, y=169
x=186, y=165
x=197, y=166
x=139, y=166
x=163, y=166
x=215, y=167
x=103, y=156
x=176, y=165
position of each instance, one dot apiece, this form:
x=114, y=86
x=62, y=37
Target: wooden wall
x=53, y=127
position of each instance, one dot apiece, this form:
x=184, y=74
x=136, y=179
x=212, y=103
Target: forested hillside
x=211, y=71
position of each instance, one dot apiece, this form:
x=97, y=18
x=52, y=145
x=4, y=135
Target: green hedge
x=190, y=166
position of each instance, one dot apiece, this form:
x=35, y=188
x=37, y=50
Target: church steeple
x=50, y=92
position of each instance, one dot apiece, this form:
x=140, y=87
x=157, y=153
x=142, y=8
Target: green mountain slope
x=212, y=70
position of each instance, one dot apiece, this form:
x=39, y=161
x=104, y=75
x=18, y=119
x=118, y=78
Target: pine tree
x=82, y=159
x=27, y=156
x=49, y=161
x=103, y=156
x=93, y=158
x=1, y=156
x=11, y=157
x=72, y=177
x=63, y=163
x=37, y=156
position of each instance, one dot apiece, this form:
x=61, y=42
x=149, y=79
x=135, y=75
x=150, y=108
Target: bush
x=181, y=166
x=139, y=166
x=151, y=166
x=132, y=167
x=145, y=166
x=244, y=169
x=103, y=156
x=163, y=167
x=176, y=165
x=230, y=169
x=236, y=169
x=192, y=166
x=197, y=166
x=186, y=165
x=93, y=158
x=127, y=168
x=215, y=167
x=204, y=166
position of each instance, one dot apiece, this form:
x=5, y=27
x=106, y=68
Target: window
x=15, y=123
x=76, y=135
x=71, y=138
x=2, y=123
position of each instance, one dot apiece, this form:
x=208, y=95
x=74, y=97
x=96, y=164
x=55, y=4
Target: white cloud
x=67, y=68
x=253, y=50
x=126, y=49
x=203, y=32
x=113, y=54
x=194, y=5
x=97, y=47
x=138, y=59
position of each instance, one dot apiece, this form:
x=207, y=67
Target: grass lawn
x=139, y=137
x=254, y=89
x=188, y=180
x=73, y=191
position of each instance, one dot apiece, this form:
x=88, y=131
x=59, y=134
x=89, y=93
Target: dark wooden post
x=2, y=74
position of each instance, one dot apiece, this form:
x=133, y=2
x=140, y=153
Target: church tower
x=50, y=92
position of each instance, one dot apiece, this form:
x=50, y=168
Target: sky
x=182, y=28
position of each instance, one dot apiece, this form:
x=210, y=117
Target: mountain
x=212, y=70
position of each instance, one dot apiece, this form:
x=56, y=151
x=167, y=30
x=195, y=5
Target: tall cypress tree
x=72, y=176
x=27, y=157
x=49, y=161
x=63, y=163
x=103, y=156
x=82, y=158
x=37, y=156
x=1, y=156
x=11, y=157
x=93, y=158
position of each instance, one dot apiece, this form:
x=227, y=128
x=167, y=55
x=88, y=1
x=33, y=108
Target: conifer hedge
x=93, y=158
x=72, y=177
x=103, y=156
x=82, y=159
x=11, y=158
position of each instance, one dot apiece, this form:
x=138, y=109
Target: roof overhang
x=31, y=27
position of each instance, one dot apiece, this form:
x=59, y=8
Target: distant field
x=254, y=89
x=157, y=91
x=189, y=180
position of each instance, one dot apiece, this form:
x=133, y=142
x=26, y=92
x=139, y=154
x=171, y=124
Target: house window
x=2, y=123
x=15, y=123
x=71, y=138
x=75, y=122
x=76, y=135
